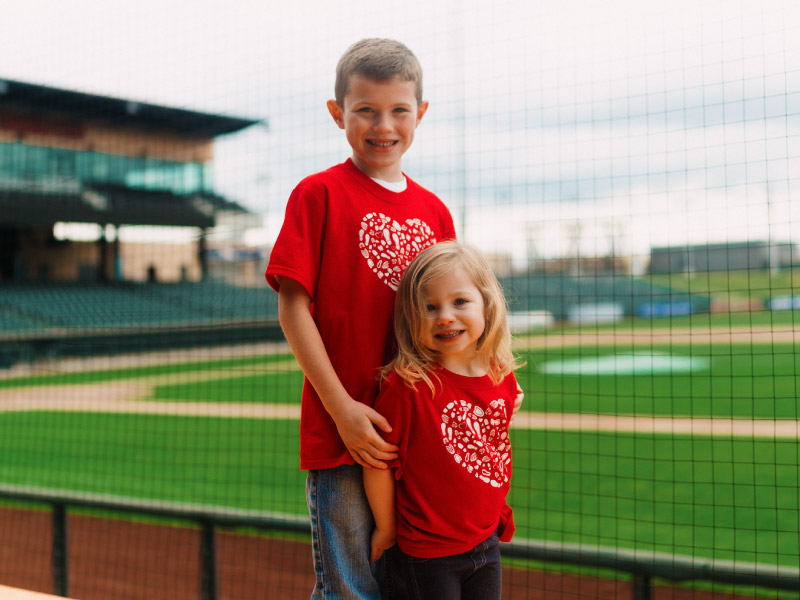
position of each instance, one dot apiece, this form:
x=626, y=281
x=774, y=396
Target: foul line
x=772, y=429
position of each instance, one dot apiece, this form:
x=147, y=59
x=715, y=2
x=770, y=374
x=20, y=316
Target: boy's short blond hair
x=379, y=59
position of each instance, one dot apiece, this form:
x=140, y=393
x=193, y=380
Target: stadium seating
x=57, y=319
x=77, y=306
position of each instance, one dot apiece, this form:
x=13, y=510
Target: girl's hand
x=356, y=424
x=381, y=541
x=517, y=403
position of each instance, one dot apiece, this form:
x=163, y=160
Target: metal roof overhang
x=79, y=106
x=116, y=206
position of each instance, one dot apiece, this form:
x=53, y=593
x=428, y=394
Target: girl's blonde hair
x=413, y=361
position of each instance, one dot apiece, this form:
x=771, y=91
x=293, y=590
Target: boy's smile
x=379, y=119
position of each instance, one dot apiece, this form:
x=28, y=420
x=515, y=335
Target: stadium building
x=723, y=257
x=72, y=157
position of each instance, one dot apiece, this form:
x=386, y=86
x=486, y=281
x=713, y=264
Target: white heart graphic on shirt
x=388, y=246
x=478, y=439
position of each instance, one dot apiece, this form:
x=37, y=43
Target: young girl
x=449, y=394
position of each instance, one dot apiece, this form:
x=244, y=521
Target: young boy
x=348, y=234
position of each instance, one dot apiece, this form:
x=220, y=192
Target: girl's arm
x=517, y=403
x=379, y=486
x=354, y=420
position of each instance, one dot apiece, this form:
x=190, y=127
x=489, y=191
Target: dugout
x=75, y=157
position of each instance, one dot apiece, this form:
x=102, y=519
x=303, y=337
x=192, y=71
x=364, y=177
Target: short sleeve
x=447, y=227
x=298, y=249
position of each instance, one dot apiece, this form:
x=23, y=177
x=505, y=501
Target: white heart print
x=388, y=246
x=478, y=439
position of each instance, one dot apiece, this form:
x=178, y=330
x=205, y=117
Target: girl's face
x=454, y=321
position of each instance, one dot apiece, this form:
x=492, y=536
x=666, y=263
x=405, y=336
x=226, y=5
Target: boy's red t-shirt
x=454, y=464
x=346, y=239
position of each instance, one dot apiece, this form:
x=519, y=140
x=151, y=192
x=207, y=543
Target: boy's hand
x=381, y=541
x=356, y=424
x=517, y=403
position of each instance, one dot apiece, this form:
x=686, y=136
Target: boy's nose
x=383, y=123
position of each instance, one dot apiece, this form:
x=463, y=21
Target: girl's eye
x=460, y=301
x=430, y=307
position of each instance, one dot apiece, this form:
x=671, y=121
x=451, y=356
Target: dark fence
x=643, y=566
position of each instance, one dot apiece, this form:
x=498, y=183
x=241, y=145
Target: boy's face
x=379, y=119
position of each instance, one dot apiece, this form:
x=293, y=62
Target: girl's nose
x=444, y=316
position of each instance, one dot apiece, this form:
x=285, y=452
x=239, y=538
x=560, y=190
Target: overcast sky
x=651, y=122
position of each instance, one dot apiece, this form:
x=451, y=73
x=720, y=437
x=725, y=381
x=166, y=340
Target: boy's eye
x=460, y=301
x=364, y=109
x=400, y=109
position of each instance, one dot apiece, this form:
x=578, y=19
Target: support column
x=201, y=254
x=102, y=268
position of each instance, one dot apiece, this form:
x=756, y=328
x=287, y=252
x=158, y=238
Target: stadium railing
x=643, y=566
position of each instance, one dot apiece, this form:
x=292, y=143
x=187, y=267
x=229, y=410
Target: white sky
x=660, y=122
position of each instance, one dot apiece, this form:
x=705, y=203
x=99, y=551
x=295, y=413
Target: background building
x=74, y=157
x=723, y=257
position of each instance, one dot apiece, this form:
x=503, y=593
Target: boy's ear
x=421, y=110
x=336, y=112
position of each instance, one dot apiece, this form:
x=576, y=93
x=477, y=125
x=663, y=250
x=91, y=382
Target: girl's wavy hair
x=413, y=361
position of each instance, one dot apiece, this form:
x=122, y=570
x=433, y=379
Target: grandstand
x=74, y=157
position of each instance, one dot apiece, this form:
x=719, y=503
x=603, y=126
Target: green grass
x=244, y=463
x=700, y=322
x=729, y=499
x=283, y=387
x=721, y=498
x=744, y=380
x=716, y=498
x=757, y=284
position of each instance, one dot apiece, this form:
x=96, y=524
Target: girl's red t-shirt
x=454, y=464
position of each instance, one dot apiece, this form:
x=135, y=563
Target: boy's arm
x=354, y=420
x=379, y=486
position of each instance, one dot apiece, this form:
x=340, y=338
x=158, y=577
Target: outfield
x=227, y=435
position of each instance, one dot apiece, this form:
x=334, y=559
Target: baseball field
x=678, y=437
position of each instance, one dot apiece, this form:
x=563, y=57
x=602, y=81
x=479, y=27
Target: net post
x=208, y=561
x=60, y=556
x=642, y=587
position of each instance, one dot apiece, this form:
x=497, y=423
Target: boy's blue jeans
x=473, y=575
x=341, y=529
